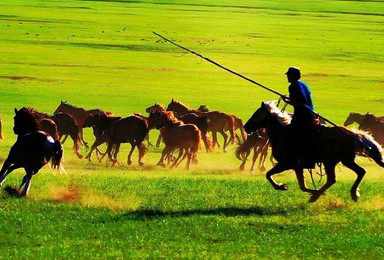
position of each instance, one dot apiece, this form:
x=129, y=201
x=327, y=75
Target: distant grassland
x=102, y=54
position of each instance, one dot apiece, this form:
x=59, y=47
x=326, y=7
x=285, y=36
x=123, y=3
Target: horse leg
x=360, y=174
x=26, y=182
x=141, y=149
x=76, y=145
x=242, y=165
x=301, y=180
x=256, y=152
x=95, y=144
x=129, y=159
x=82, y=138
x=7, y=168
x=214, y=140
x=263, y=157
x=65, y=138
x=165, y=152
x=225, y=136
x=159, y=139
x=331, y=179
x=189, y=155
x=175, y=164
x=114, y=155
x=276, y=169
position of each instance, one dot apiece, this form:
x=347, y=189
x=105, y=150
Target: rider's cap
x=293, y=71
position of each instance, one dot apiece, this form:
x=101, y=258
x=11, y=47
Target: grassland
x=102, y=54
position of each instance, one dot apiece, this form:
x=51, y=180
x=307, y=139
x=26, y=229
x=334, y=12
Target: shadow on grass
x=146, y=214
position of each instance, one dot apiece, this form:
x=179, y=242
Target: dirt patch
x=19, y=78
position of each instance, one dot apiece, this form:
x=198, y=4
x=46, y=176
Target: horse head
x=159, y=119
x=178, y=108
x=155, y=107
x=25, y=121
x=258, y=119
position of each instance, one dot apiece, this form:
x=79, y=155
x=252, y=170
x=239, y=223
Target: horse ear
x=173, y=100
x=262, y=103
x=15, y=110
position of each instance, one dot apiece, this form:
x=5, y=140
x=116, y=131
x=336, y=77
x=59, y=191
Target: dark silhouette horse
x=79, y=114
x=32, y=150
x=177, y=135
x=100, y=122
x=334, y=145
x=259, y=143
x=218, y=121
x=133, y=130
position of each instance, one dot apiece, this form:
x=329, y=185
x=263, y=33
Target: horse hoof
x=129, y=162
x=281, y=187
x=80, y=156
x=161, y=164
x=315, y=196
x=241, y=168
x=262, y=169
x=141, y=164
x=355, y=196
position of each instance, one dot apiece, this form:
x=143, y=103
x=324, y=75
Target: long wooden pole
x=238, y=74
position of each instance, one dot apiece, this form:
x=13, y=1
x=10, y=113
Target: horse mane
x=65, y=103
x=283, y=117
x=182, y=105
x=27, y=119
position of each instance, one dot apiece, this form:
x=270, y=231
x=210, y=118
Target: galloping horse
x=66, y=125
x=100, y=122
x=354, y=118
x=334, y=145
x=177, y=135
x=79, y=114
x=32, y=150
x=133, y=130
x=374, y=125
x=218, y=121
x=258, y=141
x=200, y=121
x=238, y=125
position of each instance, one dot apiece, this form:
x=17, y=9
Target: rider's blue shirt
x=300, y=94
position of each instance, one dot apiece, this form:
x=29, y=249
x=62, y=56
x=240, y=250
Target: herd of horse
x=183, y=131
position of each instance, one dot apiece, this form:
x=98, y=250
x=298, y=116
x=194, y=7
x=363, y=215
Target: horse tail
x=207, y=143
x=243, y=149
x=367, y=146
x=196, y=145
x=241, y=127
x=57, y=151
x=231, y=128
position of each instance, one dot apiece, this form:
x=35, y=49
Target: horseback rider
x=302, y=119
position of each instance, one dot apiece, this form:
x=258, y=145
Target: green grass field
x=102, y=54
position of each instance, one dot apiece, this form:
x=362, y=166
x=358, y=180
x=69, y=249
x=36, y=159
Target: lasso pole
x=239, y=75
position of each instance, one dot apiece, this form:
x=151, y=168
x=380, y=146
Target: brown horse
x=191, y=118
x=66, y=125
x=357, y=118
x=374, y=125
x=259, y=144
x=218, y=121
x=100, y=122
x=177, y=135
x=32, y=150
x=133, y=130
x=353, y=118
x=79, y=114
x=238, y=125
x=333, y=145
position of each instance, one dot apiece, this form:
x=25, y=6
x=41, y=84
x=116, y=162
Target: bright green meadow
x=103, y=54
